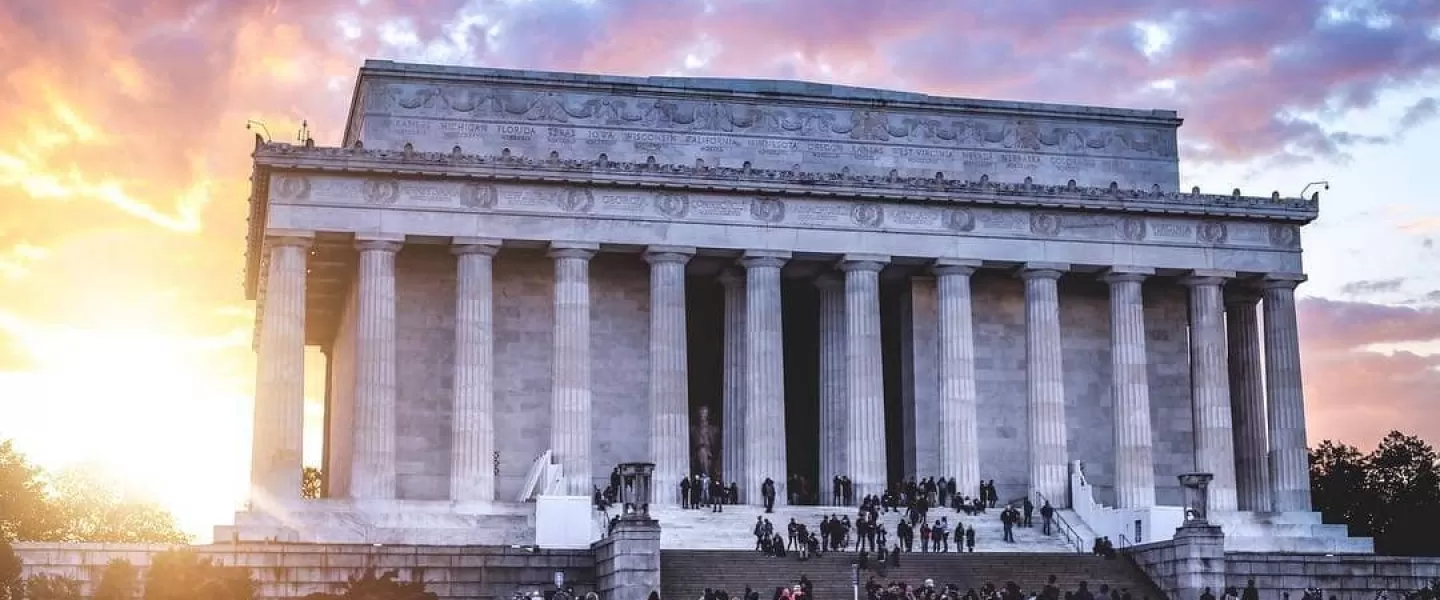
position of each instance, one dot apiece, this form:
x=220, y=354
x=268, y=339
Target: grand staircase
x=686, y=573
x=733, y=529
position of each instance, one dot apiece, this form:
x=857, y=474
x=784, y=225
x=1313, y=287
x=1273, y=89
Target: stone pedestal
x=627, y=561
x=565, y=522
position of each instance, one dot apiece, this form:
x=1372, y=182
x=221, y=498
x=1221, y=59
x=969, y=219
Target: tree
x=1338, y=486
x=52, y=587
x=312, y=485
x=117, y=582
x=1389, y=494
x=368, y=586
x=184, y=575
x=95, y=509
x=24, y=508
x=12, y=587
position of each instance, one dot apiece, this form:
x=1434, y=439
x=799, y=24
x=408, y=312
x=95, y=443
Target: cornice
x=407, y=163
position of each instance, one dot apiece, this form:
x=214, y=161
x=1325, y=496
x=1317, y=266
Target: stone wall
x=294, y=570
x=1347, y=577
x=425, y=348
x=999, y=313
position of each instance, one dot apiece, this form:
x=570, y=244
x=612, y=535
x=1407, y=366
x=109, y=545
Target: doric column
x=864, y=375
x=1210, y=386
x=732, y=436
x=275, y=450
x=833, y=410
x=1247, y=400
x=1049, y=456
x=959, y=423
x=1130, y=390
x=765, y=375
x=372, y=470
x=570, y=391
x=472, y=471
x=1289, y=459
x=669, y=374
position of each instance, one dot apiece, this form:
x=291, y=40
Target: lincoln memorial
x=522, y=279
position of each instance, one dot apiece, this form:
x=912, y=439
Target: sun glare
x=152, y=409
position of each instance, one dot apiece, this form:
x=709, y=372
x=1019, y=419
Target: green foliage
x=52, y=587
x=312, y=485
x=184, y=575
x=74, y=506
x=119, y=581
x=94, y=510
x=368, y=586
x=25, y=511
x=1388, y=494
x=12, y=587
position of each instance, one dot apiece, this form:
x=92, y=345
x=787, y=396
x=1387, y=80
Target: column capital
x=467, y=245
x=379, y=243
x=580, y=250
x=668, y=254
x=1042, y=270
x=1126, y=274
x=1206, y=277
x=730, y=277
x=764, y=258
x=954, y=266
x=290, y=238
x=863, y=262
x=829, y=280
x=1283, y=280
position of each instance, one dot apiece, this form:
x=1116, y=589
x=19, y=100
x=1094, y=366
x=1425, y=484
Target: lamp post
x=1197, y=499
x=635, y=483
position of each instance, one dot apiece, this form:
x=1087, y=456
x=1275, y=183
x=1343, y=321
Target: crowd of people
x=873, y=589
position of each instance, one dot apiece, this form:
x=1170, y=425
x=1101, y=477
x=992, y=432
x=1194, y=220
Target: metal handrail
x=1065, y=530
x=1124, y=542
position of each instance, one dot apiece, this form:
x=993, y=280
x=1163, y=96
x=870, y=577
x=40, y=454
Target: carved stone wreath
x=1284, y=236
x=476, y=195
x=867, y=214
x=1044, y=224
x=577, y=200
x=959, y=220
x=1212, y=232
x=382, y=192
x=675, y=206
x=767, y=210
x=291, y=187
x=1132, y=228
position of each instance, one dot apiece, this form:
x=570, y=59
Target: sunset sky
x=125, y=336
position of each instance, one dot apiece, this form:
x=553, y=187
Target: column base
x=420, y=522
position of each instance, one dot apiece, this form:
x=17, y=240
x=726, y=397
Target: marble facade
x=499, y=264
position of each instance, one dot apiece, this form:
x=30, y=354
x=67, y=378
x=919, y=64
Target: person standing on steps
x=1007, y=520
x=1029, y=508
x=767, y=492
x=685, y=493
x=1047, y=514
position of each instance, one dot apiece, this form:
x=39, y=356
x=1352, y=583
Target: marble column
x=669, y=373
x=570, y=393
x=1247, y=400
x=864, y=375
x=959, y=422
x=1049, y=455
x=833, y=411
x=1289, y=466
x=732, y=419
x=279, y=426
x=1210, y=386
x=372, y=470
x=1130, y=390
x=765, y=455
x=472, y=467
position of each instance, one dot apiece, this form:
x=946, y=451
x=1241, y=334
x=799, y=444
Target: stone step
x=686, y=573
x=733, y=528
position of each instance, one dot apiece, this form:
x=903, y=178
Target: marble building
x=515, y=274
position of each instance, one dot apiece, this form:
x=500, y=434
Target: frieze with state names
x=575, y=124
x=891, y=185
x=768, y=211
